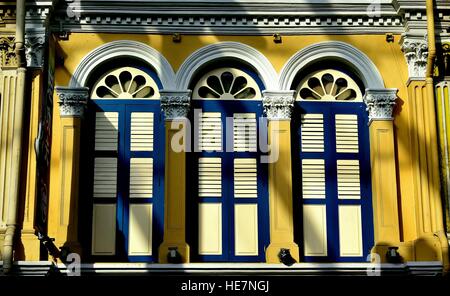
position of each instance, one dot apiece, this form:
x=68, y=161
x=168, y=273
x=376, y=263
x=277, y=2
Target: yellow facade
x=408, y=213
x=387, y=57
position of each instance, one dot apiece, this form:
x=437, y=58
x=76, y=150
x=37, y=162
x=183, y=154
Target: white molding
x=248, y=17
x=175, y=104
x=35, y=49
x=72, y=101
x=339, y=51
x=415, y=51
x=380, y=103
x=123, y=48
x=222, y=50
x=409, y=268
x=278, y=105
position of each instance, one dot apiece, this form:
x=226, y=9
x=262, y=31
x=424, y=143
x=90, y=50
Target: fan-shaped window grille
x=125, y=83
x=227, y=84
x=329, y=85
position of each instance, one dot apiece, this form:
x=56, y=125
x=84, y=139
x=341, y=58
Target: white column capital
x=278, y=105
x=175, y=104
x=380, y=103
x=416, y=55
x=34, y=50
x=72, y=101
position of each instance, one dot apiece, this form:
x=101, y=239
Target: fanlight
x=125, y=83
x=227, y=84
x=328, y=85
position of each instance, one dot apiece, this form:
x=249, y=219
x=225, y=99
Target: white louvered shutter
x=210, y=177
x=348, y=186
x=106, y=131
x=244, y=132
x=210, y=214
x=141, y=177
x=348, y=177
x=141, y=138
x=105, y=184
x=347, y=133
x=105, y=177
x=312, y=133
x=210, y=131
x=313, y=178
x=245, y=178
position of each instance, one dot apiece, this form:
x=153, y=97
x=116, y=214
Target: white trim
x=222, y=50
x=123, y=48
x=43, y=268
x=332, y=50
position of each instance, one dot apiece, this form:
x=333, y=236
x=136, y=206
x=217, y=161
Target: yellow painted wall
x=387, y=57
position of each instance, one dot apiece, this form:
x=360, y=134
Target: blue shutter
x=333, y=182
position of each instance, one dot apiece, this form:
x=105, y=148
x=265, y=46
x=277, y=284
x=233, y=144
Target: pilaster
x=72, y=102
x=278, y=107
x=175, y=105
x=380, y=104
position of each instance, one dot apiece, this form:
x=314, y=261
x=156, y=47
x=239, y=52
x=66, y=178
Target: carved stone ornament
x=72, y=101
x=8, y=54
x=416, y=54
x=34, y=51
x=175, y=104
x=380, y=103
x=278, y=105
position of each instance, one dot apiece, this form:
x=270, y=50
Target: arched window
x=229, y=183
x=123, y=164
x=332, y=168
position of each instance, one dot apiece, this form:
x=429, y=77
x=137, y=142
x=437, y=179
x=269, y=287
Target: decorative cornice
x=416, y=54
x=34, y=50
x=289, y=24
x=175, y=104
x=414, y=15
x=227, y=17
x=72, y=101
x=7, y=52
x=278, y=105
x=380, y=103
x=7, y=14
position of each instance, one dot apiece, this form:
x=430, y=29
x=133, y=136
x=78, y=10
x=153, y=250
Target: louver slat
x=210, y=177
x=210, y=131
x=141, y=177
x=312, y=133
x=106, y=127
x=141, y=131
x=313, y=178
x=245, y=178
x=244, y=132
x=347, y=133
x=105, y=177
x=348, y=179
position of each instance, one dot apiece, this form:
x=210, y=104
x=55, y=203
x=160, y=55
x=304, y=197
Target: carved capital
x=416, y=54
x=175, y=104
x=72, y=101
x=7, y=52
x=380, y=103
x=278, y=105
x=34, y=50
